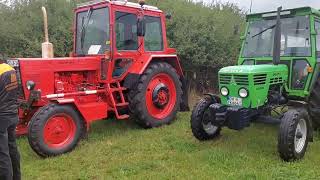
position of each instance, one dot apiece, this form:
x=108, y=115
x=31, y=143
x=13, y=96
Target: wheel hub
x=160, y=96
x=207, y=123
x=59, y=131
x=300, y=136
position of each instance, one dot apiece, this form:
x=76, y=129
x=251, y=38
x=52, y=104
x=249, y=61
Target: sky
x=268, y=5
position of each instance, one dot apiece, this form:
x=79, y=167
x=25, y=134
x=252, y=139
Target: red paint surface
x=161, y=113
x=59, y=131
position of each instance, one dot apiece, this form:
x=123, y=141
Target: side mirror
x=141, y=27
x=242, y=38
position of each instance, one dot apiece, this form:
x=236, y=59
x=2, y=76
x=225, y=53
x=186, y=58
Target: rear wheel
x=314, y=105
x=293, y=135
x=201, y=121
x=157, y=98
x=55, y=130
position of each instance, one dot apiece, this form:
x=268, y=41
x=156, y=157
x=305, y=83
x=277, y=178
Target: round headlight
x=30, y=85
x=243, y=93
x=224, y=91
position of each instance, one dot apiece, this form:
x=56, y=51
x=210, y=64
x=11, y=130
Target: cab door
x=126, y=43
x=317, y=28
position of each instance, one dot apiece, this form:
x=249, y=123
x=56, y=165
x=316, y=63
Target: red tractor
x=121, y=66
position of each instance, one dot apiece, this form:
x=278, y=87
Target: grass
x=121, y=150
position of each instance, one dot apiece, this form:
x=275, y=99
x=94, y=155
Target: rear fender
x=141, y=65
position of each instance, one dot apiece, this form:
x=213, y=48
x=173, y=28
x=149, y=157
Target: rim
x=207, y=125
x=160, y=102
x=59, y=131
x=300, y=135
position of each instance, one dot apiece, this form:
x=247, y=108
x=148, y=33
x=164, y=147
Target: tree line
x=205, y=35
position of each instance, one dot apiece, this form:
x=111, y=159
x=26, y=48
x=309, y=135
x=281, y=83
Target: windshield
x=295, y=37
x=93, y=32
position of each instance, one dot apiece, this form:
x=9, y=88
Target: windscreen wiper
x=271, y=27
x=83, y=28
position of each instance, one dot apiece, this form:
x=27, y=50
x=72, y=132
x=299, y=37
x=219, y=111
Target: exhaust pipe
x=277, y=39
x=47, y=47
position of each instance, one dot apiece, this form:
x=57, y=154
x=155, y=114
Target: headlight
x=243, y=93
x=224, y=91
x=30, y=85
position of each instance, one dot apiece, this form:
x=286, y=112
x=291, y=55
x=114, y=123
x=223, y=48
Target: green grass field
x=122, y=150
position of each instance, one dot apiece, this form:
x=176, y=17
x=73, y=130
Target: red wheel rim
x=59, y=131
x=168, y=97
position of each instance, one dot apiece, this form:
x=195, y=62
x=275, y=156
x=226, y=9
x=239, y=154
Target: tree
x=202, y=33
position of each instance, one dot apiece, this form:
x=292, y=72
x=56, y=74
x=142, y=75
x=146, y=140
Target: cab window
x=126, y=31
x=317, y=27
x=153, y=37
x=93, y=32
x=300, y=74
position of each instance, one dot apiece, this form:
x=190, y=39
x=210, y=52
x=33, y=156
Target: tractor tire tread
x=286, y=135
x=196, y=122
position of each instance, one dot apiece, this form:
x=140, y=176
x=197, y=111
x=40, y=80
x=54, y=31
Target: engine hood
x=254, y=69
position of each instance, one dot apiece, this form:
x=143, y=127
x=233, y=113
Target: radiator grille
x=241, y=79
x=238, y=79
x=225, y=78
x=260, y=79
x=276, y=80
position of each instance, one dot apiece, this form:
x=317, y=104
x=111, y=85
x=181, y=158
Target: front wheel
x=293, y=135
x=55, y=130
x=201, y=121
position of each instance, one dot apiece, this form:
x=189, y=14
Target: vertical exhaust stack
x=47, y=47
x=277, y=39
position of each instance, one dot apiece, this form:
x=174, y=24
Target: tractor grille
x=241, y=79
x=276, y=80
x=238, y=79
x=225, y=78
x=260, y=79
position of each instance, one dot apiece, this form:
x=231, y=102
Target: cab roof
x=119, y=2
x=294, y=12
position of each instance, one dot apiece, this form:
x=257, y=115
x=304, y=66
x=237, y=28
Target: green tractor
x=276, y=81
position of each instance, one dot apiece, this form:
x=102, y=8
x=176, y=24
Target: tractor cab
x=121, y=31
x=299, y=49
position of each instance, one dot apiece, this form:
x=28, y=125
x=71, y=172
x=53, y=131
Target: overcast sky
x=267, y=5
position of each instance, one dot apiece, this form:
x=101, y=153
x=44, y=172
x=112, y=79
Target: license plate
x=234, y=101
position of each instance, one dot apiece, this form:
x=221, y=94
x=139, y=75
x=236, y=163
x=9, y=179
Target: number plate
x=234, y=101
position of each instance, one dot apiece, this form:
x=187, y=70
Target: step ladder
x=114, y=88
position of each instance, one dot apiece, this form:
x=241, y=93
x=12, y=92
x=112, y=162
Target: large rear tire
x=156, y=99
x=293, y=135
x=201, y=125
x=314, y=104
x=55, y=130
